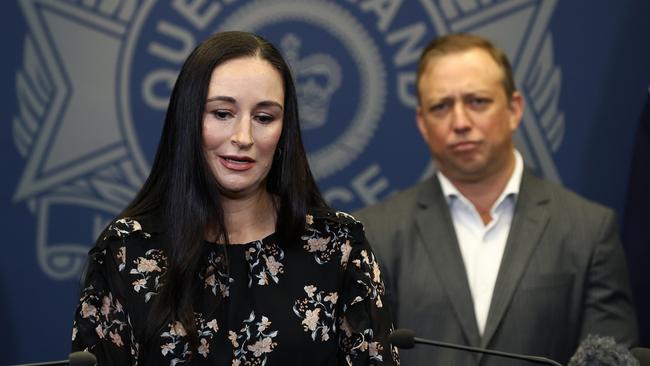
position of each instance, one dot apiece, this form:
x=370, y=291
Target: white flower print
x=121, y=258
x=139, y=284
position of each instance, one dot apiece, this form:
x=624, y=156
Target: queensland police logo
x=97, y=76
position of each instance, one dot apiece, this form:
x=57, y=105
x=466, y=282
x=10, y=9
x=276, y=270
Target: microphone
x=82, y=358
x=79, y=358
x=602, y=351
x=642, y=354
x=405, y=338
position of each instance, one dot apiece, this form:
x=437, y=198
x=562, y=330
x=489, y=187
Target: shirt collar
x=511, y=189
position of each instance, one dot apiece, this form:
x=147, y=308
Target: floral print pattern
x=147, y=272
x=216, y=276
x=330, y=281
x=254, y=341
x=318, y=312
x=265, y=262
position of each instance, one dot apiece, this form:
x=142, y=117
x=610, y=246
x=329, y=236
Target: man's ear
x=516, y=107
x=419, y=119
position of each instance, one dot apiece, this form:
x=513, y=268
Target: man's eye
x=479, y=102
x=439, y=107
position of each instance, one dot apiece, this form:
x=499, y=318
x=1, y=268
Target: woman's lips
x=239, y=163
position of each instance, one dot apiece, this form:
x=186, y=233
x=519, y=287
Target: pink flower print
x=147, y=265
x=274, y=266
x=106, y=306
x=376, y=273
x=325, y=336
x=318, y=244
x=332, y=297
x=374, y=348
x=311, y=319
x=233, y=338
x=262, y=346
x=88, y=310
x=204, y=348
x=345, y=249
x=116, y=338
x=310, y=289
x=212, y=324
x=211, y=281
x=178, y=329
x=99, y=331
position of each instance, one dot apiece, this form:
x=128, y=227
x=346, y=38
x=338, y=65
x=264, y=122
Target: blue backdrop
x=85, y=84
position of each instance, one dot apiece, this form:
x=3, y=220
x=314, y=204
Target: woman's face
x=242, y=124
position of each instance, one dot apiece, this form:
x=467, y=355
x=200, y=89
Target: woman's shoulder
x=319, y=215
x=125, y=227
x=138, y=234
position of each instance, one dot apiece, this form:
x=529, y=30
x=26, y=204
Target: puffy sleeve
x=101, y=323
x=366, y=318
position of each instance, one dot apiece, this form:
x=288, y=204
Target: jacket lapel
x=528, y=224
x=439, y=238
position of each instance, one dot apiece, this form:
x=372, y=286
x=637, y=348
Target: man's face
x=465, y=116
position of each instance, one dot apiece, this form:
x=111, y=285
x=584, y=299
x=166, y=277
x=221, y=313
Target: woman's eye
x=221, y=114
x=264, y=118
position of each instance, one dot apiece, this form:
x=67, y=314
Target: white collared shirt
x=482, y=245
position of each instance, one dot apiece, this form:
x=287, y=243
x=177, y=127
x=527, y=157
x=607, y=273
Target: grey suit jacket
x=563, y=275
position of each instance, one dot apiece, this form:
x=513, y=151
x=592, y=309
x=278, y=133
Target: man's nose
x=460, y=120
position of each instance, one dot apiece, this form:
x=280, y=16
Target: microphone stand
x=535, y=359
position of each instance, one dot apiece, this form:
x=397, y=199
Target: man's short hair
x=459, y=42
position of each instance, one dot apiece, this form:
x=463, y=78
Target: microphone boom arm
x=535, y=359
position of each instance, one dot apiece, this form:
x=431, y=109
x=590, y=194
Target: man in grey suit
x=484, y=253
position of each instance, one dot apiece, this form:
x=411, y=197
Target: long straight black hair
x=181, y=191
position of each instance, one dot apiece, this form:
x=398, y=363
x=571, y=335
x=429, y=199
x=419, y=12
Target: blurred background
x=85, y=85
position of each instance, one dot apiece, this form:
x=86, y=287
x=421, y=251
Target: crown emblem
x=317, y=76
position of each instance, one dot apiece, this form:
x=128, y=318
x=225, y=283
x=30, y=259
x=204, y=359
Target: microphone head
x=642, y=354
x=602, y=351
x=82, y=358
x=402, y=338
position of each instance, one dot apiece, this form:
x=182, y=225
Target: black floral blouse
x=318, y=303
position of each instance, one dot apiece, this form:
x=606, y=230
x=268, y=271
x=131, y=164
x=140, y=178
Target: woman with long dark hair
x=229, y=255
